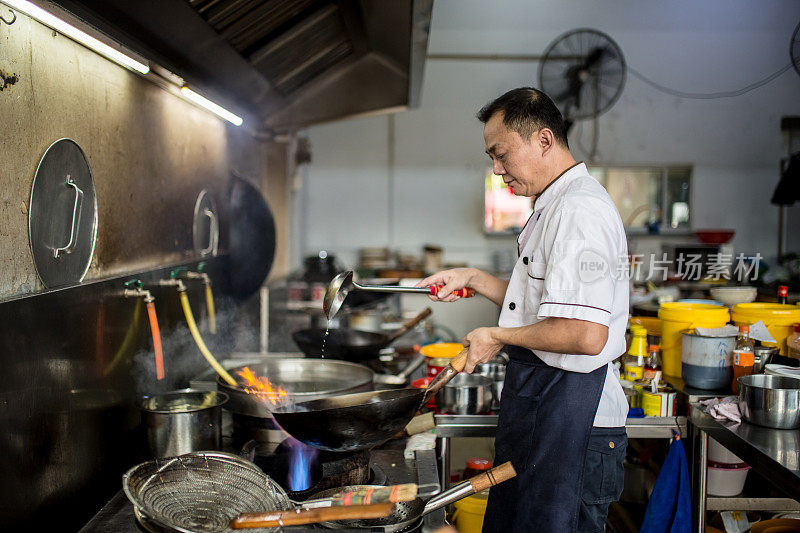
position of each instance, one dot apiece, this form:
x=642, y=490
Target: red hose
x=151, y=313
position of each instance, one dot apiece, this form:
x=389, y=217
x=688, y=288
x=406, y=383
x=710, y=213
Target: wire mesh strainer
x=201, y=492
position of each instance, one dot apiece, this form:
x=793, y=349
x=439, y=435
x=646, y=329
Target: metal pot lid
x=205, y=228
x=62, y=216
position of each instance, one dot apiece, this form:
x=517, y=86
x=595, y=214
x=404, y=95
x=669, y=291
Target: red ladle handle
x=466, y=292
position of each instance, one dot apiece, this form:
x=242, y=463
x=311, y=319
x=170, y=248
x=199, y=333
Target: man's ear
x=545, y=139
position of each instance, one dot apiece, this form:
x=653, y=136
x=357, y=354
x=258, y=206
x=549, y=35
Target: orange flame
x=261, y=387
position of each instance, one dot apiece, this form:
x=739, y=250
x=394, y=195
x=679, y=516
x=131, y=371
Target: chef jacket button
x=525, y=260
x=512, y=306
x=611, y=444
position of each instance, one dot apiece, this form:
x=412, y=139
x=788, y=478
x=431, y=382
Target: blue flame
x=300, y=461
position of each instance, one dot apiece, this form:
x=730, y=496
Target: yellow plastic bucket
x=677, y=317
x=469, y=513
x=779, y=319
x=441, y=350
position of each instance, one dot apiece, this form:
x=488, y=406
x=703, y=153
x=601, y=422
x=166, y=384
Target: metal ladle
x=343, y=283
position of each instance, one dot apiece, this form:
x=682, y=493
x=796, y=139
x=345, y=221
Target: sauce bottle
x=653, y=364
x=634, y=363
x=743, y=357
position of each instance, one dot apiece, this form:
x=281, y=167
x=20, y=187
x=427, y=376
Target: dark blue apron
x=546, y=417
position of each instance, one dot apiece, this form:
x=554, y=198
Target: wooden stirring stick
x=297, y=517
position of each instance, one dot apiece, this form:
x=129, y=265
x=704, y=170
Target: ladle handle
x=298, y=517
x=425, y=313
x=466, y=292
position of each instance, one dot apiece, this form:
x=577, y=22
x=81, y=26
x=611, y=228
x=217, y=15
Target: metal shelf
x=742, y=503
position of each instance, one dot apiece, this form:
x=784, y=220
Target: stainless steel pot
x=303, y=380
x=771, y=401
x=466, y=394
x=183, y=421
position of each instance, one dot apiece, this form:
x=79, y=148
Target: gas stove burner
x=324, y=470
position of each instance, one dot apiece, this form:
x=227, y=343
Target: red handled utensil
x=343, y=283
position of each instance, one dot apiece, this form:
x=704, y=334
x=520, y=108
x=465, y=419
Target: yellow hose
x=212, y=314
x=125, y=348
x=187, y=310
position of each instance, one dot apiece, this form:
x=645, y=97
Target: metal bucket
x=707, y=361
x=183, y=421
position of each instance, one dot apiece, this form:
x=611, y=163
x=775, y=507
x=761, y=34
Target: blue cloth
x=670, y=507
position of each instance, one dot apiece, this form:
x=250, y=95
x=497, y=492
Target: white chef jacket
x=570, y=266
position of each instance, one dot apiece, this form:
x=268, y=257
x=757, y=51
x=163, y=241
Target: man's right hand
x=451, y=280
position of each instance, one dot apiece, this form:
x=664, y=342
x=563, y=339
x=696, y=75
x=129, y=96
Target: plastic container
x=439, y=354
x=706, y=361
x=678, y=317
x=475, y=466
x=726, y=480
x=422, y=383
x=469, y=513
x=793, y=342
x=717, y=453
x=779, y=319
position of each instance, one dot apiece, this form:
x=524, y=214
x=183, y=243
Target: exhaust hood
x=285, y=64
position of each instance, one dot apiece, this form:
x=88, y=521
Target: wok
x=350, y=344
x=352, y=422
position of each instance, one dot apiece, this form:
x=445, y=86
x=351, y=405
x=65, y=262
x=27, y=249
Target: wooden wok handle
x=298, y=517
x=425, y=313
x=493, y=477
x=459, y=362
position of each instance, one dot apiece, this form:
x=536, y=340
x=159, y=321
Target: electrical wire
x=709, y=96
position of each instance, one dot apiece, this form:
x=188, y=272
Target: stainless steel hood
x=288, y=63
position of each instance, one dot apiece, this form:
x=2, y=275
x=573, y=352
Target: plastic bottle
x=653, y=363
x=475, y=466
x=634, y=362
x=793, y=342
x=743, y=357
x=783, y=294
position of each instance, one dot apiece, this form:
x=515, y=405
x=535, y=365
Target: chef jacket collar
x=553, y=189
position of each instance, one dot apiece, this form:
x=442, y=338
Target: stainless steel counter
x=450, y=426
x=117, y=515
x=773, y=453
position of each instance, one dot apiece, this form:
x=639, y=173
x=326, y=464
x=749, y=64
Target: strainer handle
x=297, y=517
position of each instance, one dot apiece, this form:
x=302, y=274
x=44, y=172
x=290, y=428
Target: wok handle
x=475, y=484
x=298, y=517
x=425, y=313
x=460, y=361
x=449, y=372
x=493, y=477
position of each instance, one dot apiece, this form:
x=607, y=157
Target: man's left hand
x=483, y=346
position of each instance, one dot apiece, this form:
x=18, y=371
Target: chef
x=562, y=321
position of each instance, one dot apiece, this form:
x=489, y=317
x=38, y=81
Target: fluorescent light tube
x=48, y=19
x=211, y=106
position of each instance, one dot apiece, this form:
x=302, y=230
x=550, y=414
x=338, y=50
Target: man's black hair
x=527, y=110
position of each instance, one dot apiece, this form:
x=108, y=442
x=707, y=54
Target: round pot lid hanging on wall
x=205, y=228
x=62, y=217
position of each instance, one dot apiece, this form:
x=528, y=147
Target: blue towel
x=670, y=507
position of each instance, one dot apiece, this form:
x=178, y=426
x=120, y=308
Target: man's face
x=518, y=161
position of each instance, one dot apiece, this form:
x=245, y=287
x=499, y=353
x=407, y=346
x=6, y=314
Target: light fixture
x=48, y=19
x=211, y=106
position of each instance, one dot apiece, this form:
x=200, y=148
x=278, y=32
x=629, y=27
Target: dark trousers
x=603, y=477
